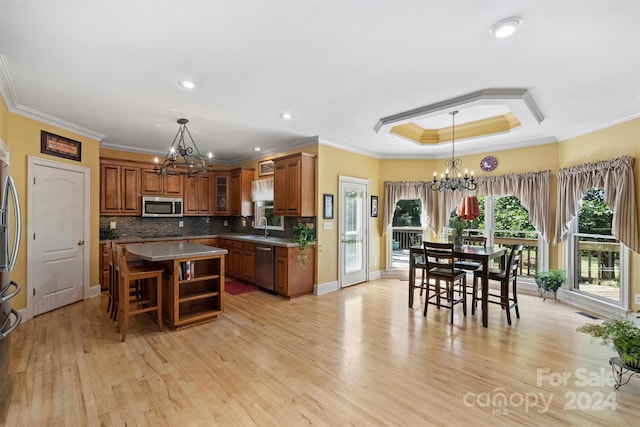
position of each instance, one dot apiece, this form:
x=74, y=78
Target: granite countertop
x=167, y=251
x=251, y=238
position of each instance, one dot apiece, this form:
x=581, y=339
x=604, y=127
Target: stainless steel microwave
x=161, y=206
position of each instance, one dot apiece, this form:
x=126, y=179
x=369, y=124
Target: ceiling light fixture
x=505, y=27
x=256, y=148
x=182, y=159
x=457, y=181
x=286, y=116
x=187, y=84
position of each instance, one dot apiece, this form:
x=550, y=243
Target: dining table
x=481, y=254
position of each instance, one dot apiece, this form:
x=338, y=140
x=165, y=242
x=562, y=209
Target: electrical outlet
x=180, y=223
x=225, y=223
x=637, y=299
x=112, y=225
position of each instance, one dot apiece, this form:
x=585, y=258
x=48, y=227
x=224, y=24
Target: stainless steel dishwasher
x=264, y=266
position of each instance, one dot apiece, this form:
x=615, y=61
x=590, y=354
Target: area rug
x=235, y=287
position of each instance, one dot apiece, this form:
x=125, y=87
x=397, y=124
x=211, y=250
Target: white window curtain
x=531, y=188
x=616, y=178
x=408, y=190
x=262, y=190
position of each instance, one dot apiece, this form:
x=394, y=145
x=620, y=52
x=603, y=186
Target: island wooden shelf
x=189, y=301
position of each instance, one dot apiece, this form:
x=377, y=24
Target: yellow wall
x=331, y=164
x=23, y=140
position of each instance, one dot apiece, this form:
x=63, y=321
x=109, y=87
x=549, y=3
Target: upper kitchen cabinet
x=119, y=188
x=152, y=184
x=294, y=183
x=198, y=194
x=221, y=187
x=240, y=191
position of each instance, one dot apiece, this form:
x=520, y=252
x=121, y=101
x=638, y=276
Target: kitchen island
x=193, y=279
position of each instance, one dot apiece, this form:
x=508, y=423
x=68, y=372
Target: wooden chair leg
x=159, y=299
x=504, y=293
x=515, y=299
x=464, y=295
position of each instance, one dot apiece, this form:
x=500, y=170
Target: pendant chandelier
x=453, y=179
x=182, y=158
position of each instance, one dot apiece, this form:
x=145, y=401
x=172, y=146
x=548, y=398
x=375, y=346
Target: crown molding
x=13, y=105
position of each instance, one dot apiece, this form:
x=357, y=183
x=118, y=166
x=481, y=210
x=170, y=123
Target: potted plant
x=623, y=335
x=457, y=227
x=304, y=236
x=550, y=281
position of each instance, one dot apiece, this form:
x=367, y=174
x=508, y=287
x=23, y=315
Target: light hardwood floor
x=358, y=356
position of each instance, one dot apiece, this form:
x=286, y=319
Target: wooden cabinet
x=228, y=245
x=248, y=259
x=292, y=278
x=221, y=205
x=198, y=194
x=186, y=301
x=119, y=188
x=295, y=185
x=240, y=191
x=152, y=184
x=237, y=262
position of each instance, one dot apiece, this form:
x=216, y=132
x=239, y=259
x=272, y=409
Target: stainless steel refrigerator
x=9, y=244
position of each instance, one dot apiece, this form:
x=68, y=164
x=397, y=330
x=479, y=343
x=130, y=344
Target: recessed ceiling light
x=286, y=116
x=256, y=148
x=505, y=27
x=187, y=84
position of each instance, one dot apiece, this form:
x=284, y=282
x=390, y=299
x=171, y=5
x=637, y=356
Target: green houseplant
x=623, y=335
x=550, y=281
x=457, y=226
x=304, y=236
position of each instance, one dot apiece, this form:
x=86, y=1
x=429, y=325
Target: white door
x=56, y=235
x=354, y=230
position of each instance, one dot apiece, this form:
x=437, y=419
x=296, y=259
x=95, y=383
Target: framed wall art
x=374, y=206
x=327, y=211
x=56, y=145
x=265, y=167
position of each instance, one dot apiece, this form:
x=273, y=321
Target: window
x=508, y=224
x=595, y=253
x=265, y=209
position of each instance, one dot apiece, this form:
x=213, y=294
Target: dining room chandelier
x=453, y=179
x=182, y=158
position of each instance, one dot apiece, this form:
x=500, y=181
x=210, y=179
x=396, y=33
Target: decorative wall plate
x=488, y=163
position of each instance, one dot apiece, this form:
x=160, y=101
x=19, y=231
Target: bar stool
x=112, y=289
x=136, y=292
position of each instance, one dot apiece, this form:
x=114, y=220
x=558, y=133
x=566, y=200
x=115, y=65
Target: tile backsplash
x=135, y=226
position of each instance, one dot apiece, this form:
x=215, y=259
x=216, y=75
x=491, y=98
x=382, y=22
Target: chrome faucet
x=266, y=232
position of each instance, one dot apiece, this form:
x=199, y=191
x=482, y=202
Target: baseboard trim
x=94, y=291
x=325, y=288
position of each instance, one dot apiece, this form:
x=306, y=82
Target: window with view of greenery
x=597, y=263
x=266, y=209
x=407, y=213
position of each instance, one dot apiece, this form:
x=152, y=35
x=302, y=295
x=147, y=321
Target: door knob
x=80, y=242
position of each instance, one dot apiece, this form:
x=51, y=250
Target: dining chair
x=136, y=292
x=469, y=265
x=440, y=261
x=506, y=298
